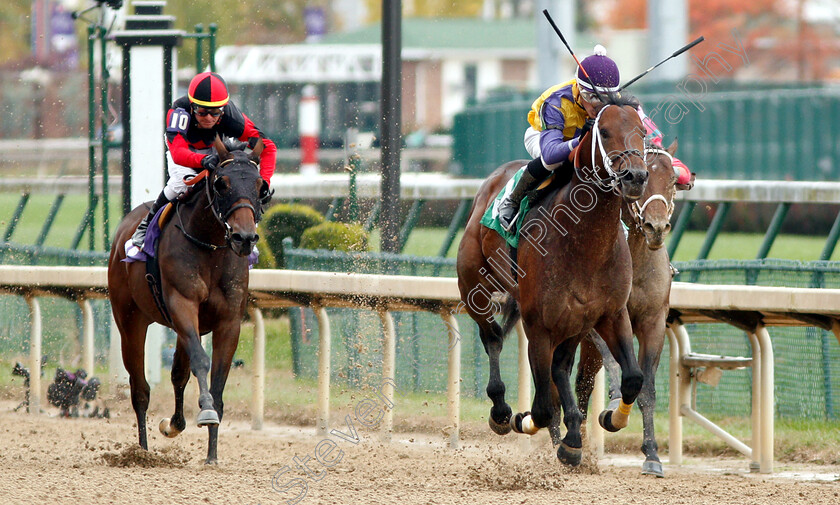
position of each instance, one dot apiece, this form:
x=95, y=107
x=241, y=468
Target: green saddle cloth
x=490, y=218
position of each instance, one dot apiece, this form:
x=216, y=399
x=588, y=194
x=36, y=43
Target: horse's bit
x=217, y=213
x=639, y=210
x=613, y=178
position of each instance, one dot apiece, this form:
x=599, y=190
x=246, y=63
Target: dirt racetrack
x=91, y=461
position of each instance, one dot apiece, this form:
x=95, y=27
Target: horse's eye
x=221, y=185
x=604, y=133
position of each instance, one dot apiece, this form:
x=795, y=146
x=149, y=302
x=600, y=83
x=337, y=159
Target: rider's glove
x=210, y=162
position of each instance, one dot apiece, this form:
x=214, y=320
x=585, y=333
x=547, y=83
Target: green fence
x=807, y=359
x=778, y=134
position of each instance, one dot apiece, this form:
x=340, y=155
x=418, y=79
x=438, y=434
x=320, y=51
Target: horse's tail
x=510, y=315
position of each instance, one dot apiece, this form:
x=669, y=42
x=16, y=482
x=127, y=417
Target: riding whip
x=676, y=53
x=560, y=34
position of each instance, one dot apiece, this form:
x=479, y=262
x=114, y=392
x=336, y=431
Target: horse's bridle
x=221, y=217
x=639, y=210
x=612, y=180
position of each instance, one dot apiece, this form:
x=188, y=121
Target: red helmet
x=208, y=89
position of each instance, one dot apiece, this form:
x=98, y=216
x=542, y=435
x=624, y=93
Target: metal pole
x=773, y=230
x=91, y=129
x=104, y=76
x=199, y=48
x=714, y=230
x=212, y=56
x=390, y=126
x=679, y=227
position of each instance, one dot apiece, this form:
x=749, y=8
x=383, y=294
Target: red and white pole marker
x=309, y=128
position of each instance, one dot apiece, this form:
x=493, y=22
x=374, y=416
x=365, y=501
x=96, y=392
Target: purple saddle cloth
x=134, y=253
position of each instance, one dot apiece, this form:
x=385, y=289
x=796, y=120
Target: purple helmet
x=602, y=70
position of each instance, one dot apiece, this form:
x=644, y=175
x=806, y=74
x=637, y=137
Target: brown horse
x=649, y=224
x=573, y=275
x=204, y=284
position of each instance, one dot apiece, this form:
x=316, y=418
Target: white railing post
x=767, y=402
x=596, y=433
x=34, y=355
x=87, y=336
x=258, y=384
x=389, y=347
x=324, y=351
x=453, y=386
x=675, y=424
x=524, y=378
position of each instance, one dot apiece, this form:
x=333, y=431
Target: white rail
x=749, y=307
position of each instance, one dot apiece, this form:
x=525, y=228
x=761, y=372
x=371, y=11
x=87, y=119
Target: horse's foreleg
x=570, y=449
x=225, y=341
x=618, y=335
x=651, y=335
x=542, y=407
x=180, y=376
x=500, y=412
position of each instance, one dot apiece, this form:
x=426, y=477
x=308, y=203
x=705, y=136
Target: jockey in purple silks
x=559, y=118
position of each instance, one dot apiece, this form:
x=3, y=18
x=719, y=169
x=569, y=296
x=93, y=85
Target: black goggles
x=202, y=112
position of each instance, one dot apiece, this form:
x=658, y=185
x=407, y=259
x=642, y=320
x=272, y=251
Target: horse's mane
x=619, y=99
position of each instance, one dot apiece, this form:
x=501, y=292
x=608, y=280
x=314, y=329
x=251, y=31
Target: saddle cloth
x=490, y=218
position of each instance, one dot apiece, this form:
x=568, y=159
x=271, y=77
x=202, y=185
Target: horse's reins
x=639, y=210
x=221, y=218
x=613, y=178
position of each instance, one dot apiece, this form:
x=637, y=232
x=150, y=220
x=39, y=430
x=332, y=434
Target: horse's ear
x=257, y=150
x=221, y=150
x=672, y=149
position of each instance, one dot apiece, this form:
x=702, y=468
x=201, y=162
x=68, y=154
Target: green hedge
x=335, y=237
x=287, y=220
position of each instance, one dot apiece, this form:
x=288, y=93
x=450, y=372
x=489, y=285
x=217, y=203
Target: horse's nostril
x=667, y=227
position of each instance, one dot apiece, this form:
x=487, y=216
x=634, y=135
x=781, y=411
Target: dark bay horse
x=649, y=224
x=573, y=274
x=204, y=283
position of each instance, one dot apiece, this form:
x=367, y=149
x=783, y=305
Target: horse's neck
x=604, y=215
x=198, y=220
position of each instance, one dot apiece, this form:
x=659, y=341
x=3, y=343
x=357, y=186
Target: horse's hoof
x=650, y=467
x=502, y=426
x=208, y=418
x=605, y=420
x=167, y=429
x=570, y=456
x=209, y=461
x=523, y=423
x=499, y=429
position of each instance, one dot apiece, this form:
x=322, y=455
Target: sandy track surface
x=51, y=460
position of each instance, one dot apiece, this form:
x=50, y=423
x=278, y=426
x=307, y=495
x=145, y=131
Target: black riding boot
x=509, y=208
x=140, y=234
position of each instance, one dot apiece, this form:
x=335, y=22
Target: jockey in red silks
x=192, y=124
x=559, y=118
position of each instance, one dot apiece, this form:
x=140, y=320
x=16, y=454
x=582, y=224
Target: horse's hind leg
x=594, y=353
x=133, y=338
x=493, y=340
x=180, y=376
x=618, y=335
x=651, y=337
x=570, y=449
